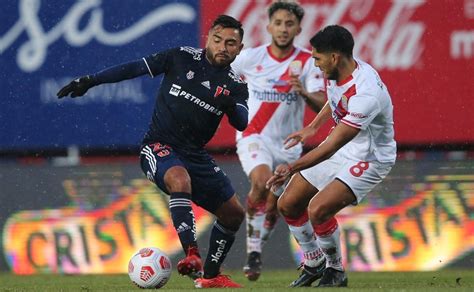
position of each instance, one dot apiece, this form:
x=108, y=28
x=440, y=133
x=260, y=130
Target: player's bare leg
x=293, y=207
x=261, y=216
x=321, y=209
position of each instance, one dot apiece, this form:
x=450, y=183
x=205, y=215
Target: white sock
x=331, y=247
x=306, y=238
x=267, y=232
x=255, y=231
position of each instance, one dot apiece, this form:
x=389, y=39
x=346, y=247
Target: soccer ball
x=149, y=268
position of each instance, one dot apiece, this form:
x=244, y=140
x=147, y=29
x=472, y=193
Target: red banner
x=423, y=50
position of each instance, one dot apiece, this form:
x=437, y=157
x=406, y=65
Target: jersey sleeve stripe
x=246, y=108
x=354, y=125
x=149, y=70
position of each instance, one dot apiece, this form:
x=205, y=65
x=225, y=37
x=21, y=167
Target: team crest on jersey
x=190, y=75
x=344, y=101
x=220, y=90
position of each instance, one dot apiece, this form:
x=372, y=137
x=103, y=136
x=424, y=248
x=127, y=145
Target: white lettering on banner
x=32, y=53
x=395, y=43
x=462, y=44
x=128, y=91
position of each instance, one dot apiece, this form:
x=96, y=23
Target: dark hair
x=333, y=38
x=291, y=7
x=227, y=21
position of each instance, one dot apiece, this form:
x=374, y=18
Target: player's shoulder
x=367, y=77
x=189, y=52
x=236, y=78
x=253, y=53
x=302, y=50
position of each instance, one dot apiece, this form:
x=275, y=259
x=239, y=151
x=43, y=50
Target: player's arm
x=307, y=132
x=239, y=117
x=79, y=86
x=315, y=100
x=154, y=65
x=235, y=106
x=339, y=137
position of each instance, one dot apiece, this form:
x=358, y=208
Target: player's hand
x=297, y=86
x=225, y=103
x=281, y=174
x=77, y=87
x=299, y=137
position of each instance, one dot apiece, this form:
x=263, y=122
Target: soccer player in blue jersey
x=197, y=90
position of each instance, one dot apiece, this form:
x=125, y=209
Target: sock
x=219, y=245
x=267, y=231
x=255, y=226
x=303, y=232
x=183, y=219
x=329, y=240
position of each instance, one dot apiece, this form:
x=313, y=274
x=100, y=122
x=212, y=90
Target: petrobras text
x=275, y=96
x=176, y=91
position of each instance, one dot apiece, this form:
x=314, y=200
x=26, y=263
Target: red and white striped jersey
x=362, y=101
x=275, y=110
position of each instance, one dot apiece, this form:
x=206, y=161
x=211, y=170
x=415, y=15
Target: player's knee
x=258, y=190
x=271, y=217
x=285, y=208
x=318, y=214
x=234, y=219
x=178, y=183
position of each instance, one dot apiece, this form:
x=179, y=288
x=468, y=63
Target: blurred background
x=74, y=200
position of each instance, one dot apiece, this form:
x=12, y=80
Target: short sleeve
x=160, y=62
x=313, y=77
x=362, y=109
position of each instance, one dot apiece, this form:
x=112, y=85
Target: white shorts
x=361, y=177
x=256, y=150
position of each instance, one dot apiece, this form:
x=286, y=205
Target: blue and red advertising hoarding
x=424, y=56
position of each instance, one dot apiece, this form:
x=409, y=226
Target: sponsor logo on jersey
x=277, y=82
x=275, y=96
x=206, y=84
x=177, y=91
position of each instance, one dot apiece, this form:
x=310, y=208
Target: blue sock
x=183, y=219
x=219, y=245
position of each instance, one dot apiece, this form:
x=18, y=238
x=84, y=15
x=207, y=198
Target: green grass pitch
x=276, y=280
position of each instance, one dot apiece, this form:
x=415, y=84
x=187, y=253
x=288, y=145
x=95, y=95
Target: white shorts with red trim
x=255, y=150
x=360, y=176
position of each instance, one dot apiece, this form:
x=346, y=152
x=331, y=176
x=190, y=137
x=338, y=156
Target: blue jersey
x=185, y=114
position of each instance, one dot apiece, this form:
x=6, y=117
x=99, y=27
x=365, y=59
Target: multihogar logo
x=275, y=96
